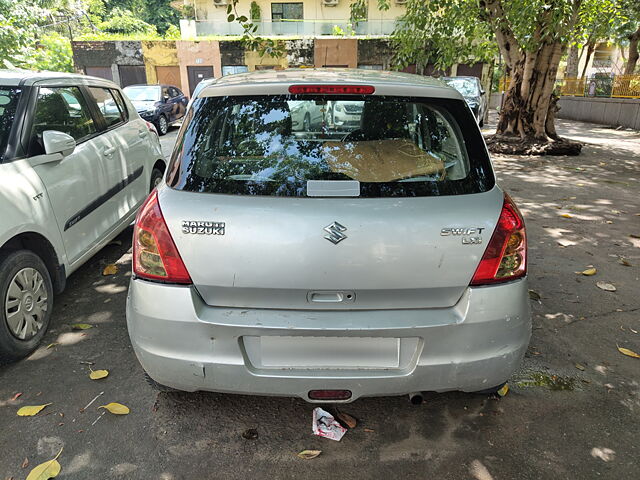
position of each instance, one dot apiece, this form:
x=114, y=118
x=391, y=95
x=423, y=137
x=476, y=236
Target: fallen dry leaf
x=628, y=353
x=634, y=331
x=504, y=390
x=588, y=272
x=110, y=269
x=607, y=287
x=31, y=410
x=98, y=374
x=16, y=396
x=250, y=434
x=580, y=367
x=51, y=345
x=347, y=419
x=25, y=463
x=369, y=430
x=116, y=408
x=533, y=295
x=46, y=470
x=309, y=454
x=624, y=262
x=81, y=326
x=566, y=215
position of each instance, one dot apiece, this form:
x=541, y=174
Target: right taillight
x=505, y=258
x=155, y=256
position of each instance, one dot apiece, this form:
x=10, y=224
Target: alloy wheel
x=162, y=123
x=26, y=304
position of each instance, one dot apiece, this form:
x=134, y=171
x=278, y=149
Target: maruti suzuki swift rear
x=331, y=262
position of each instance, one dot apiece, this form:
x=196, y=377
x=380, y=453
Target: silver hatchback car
x=380, y=258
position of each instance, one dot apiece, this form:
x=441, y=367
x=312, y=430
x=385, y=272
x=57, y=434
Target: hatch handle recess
x=331, y=296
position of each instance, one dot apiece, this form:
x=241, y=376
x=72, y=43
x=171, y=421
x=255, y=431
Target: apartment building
x=306, y=18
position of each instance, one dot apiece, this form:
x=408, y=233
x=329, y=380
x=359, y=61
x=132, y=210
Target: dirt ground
x=572, y=411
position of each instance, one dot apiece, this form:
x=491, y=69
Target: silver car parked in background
x=379, y=258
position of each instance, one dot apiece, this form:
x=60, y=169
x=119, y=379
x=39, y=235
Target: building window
x=286, y=11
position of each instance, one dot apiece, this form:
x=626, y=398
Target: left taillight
x=155, y=256
x=505, y=258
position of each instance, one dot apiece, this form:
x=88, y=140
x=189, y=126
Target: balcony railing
x=307, y=28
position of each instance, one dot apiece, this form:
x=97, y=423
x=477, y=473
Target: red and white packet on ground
x=324, y=425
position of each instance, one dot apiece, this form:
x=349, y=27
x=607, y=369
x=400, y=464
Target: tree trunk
x=633, y=53
x=527, y=101
x=591, y=46
x=527, y=120
x=572, y=62
x=550, y=126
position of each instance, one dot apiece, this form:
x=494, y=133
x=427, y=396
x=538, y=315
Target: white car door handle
x=109, y=150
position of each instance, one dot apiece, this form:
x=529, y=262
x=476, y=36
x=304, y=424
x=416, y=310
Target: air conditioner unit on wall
x=330, y=3
x=221, y=3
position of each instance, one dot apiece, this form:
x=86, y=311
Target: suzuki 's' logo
x=334, y=233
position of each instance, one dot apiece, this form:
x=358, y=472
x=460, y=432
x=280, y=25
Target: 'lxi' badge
x=202, y=228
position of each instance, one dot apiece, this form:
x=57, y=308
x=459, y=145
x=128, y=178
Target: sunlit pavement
x=572, y=411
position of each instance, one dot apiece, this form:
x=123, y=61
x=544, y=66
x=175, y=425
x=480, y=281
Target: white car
x=76, y=163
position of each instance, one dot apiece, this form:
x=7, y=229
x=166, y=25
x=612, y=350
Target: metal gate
x=132, y=75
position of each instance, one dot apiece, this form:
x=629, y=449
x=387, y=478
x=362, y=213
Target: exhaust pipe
x=416, y=398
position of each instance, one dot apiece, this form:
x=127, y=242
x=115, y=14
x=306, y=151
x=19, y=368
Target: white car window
x=107, y=105
x=63, y=109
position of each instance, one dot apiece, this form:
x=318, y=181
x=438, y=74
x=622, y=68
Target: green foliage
x=125, y=22
x=26, y=42
x=337, y=31
x=442, y=32
x=251, y=41
x=255, y=12
x=18, y=29
x=172, y=33
x=188, y=12
x=53, y=52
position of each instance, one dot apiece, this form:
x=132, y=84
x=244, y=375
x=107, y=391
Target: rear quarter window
x=110, y=109
x=273, y=145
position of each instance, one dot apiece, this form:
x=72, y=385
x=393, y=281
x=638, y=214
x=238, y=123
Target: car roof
x=17, y=77
x=278, y=81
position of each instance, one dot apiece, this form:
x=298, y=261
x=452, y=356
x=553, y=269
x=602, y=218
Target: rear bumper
x=183, y=343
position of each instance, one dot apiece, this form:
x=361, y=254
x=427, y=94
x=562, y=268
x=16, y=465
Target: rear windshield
x=274, y=145
x=8, y=102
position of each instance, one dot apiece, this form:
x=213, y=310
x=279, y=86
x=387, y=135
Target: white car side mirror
x=58, y=142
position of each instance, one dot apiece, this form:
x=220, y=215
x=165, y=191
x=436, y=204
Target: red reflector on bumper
x=329, y=394
x=332, y=89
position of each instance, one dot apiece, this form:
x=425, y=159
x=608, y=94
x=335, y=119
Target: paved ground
x=558, y=421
